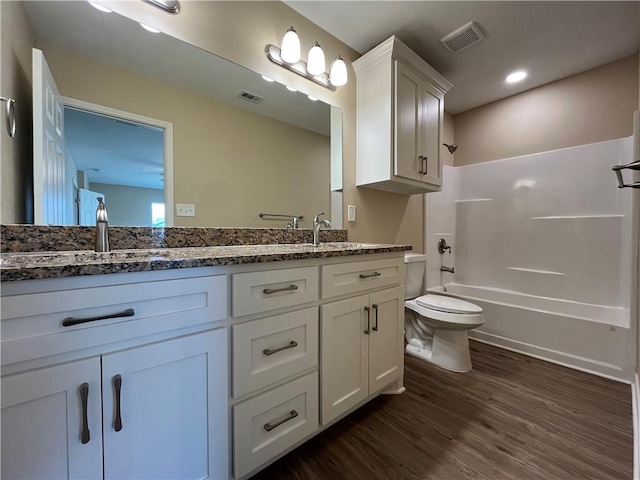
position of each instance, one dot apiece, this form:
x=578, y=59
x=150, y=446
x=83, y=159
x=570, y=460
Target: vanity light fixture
x=267, y=79
x=316, y=64
x=149, y=29
x=97, y=6
x=289, y=57
x=313, y=99
x=338, y=72
x=291, y=89
x=290, y=46
x=516, y=77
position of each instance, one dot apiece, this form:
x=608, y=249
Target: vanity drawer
x=269, y=350
x=32, y=324
x=256, y=292
x=346, y=278
x=268, y=424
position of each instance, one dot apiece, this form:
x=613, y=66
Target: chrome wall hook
x=10, y=115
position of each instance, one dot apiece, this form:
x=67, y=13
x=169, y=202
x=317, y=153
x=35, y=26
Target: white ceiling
x=550, y=40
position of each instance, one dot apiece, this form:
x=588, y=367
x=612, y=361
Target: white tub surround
x=544, y=244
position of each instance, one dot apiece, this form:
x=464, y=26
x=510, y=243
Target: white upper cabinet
x=400, y=114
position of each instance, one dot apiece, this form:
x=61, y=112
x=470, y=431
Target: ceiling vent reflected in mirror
x=250, y=97
x=463, y=38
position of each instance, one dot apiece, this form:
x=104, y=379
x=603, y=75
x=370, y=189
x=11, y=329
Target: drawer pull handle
x=375, y=311
x=270, y=426
x=421, y=171
x=368, y=330
x=117, y=383
x=271, y=351
x=426, y=165
x=84, y=397
x=70, y=321
x=269, y=291
x=368, y=275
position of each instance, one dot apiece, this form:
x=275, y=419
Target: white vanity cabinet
x=278, y=352
x=131, y=405
x=362, y=336
x=400, y=103
x=194, y=373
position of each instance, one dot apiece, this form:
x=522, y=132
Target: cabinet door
x=386, y=347
x=170, y=417
x=48, y=431
x=345, y=355
x=408, y=90
x=430, y=125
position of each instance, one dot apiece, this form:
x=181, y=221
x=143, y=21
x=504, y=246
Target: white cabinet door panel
x=42, y=423
x=174, y=414
x=407, y=130
x=345, y=356
x=386, y=347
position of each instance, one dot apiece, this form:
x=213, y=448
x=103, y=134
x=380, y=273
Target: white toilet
x=436, y=325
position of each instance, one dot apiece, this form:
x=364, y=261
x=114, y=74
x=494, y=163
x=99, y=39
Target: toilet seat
x=442, y=303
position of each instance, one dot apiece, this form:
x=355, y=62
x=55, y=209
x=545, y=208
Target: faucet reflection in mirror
x=289, y=57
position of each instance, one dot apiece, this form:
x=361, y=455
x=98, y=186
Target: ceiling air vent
x=250, y=97
x=463, y=37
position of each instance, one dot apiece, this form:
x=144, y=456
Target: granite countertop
x=40, y=265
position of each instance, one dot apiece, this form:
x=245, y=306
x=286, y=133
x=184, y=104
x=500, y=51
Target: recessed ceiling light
x=516, y=76
x=267, y=79
x=149, y=29
x=100, y=7
x=313, y=99
x=291, y=89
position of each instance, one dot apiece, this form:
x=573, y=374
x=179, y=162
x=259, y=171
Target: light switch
x=351, y=213
x=185, y=210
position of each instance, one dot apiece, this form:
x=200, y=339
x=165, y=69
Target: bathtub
x=597, y=339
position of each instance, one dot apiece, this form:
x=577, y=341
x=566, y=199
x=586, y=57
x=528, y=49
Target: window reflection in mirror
x=240, y=145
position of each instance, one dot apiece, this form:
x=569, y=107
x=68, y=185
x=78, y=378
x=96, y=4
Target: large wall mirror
x=151, y=123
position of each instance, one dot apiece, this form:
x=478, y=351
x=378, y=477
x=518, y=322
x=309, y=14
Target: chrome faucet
x=317, y=224
x=443, y=247
x=102, y=227
x=294, y=222
x=446, y=269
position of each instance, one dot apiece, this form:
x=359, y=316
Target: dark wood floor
x=512, y=417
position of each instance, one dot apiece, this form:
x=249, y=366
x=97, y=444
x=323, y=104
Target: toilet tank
x=415, y=264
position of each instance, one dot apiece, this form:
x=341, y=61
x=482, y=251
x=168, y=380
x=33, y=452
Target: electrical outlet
x=185, y=210
x=351, y=213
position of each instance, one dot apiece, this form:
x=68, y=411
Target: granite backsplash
x=50, y=238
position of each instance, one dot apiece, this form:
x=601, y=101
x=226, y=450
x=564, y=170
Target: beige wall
x=239, y=31
x=15, y=167
x=232, y=164
x=128, y=206
x=589, y=107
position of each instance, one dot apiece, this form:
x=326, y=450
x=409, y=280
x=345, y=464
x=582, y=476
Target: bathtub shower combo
x=543, y=244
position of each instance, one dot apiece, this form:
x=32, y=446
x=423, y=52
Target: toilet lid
x=442, y=303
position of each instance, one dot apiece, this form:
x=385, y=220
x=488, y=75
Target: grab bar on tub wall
x=630, y=166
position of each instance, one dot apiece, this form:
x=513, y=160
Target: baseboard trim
x=605, y=370
x=635, y=398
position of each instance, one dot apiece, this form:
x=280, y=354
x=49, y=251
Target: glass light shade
x=516, y=76
x=338, y=74
x=149, y=29
x=315, y=62
x=99, y=7
x=290, y=52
